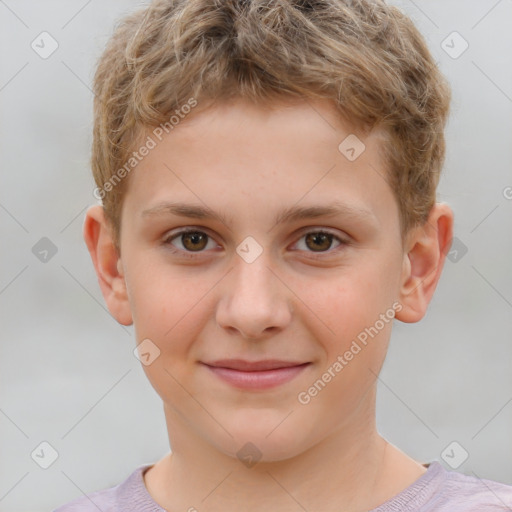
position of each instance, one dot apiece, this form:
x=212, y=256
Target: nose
x=254, y=302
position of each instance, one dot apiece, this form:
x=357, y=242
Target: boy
x=268, y=173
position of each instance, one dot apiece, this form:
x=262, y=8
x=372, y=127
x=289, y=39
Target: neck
x=335, y=474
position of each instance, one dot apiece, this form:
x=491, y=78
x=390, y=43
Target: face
x=251, y=241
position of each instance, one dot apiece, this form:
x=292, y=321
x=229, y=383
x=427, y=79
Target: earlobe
x=424, y=259
x=107, y=263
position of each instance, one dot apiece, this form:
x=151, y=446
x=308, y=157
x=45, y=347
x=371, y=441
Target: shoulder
x=473, y=494
x=112, y=499
x=441, y=490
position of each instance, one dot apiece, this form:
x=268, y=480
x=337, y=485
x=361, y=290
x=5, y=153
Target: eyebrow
x=290, y=214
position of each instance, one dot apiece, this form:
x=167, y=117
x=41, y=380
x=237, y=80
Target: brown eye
x=319, y=241
x=194, y=240
x=189, y=241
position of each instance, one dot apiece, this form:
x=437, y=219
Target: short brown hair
x=364, y=55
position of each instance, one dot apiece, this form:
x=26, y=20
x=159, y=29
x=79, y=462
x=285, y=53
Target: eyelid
x=321, y=229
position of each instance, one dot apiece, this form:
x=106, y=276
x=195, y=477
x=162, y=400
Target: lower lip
x=258, y=379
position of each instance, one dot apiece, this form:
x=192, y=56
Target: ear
x=107, y=263
x=424, y=257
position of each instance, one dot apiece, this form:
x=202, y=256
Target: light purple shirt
x=437, y=490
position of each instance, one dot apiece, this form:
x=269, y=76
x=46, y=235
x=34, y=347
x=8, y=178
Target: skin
x=250, y=163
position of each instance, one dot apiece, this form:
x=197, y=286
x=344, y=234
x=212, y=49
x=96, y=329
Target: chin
x=261, y=451
x=265, y=442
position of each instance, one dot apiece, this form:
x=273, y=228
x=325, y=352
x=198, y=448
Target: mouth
x=255, y=374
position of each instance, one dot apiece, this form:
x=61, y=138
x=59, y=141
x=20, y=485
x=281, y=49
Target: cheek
x=167, y=307
x=169, y=311
x=357, y=307
x=359, y=312
x=349, y=303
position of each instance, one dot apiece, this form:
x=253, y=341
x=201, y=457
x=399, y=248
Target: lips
x=255, y=375
x=256, y=366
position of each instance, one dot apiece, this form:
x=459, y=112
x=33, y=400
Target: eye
x=191, y=240
x=319, y=241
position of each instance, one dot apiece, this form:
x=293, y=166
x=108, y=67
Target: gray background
x=67, y=372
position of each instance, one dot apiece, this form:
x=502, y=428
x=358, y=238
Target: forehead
x=297, y=114
x=271, y=157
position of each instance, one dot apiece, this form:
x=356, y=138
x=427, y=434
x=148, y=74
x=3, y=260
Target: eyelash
x=192, y=255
